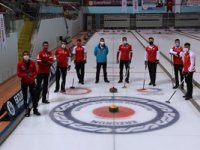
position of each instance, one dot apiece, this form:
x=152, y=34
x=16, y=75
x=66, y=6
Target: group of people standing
x=183, y=60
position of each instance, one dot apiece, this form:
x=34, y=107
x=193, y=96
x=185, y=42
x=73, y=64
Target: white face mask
x=185, y=49
x=102, y=43
x=26, y=57
x=124, y=42
x=63, y=46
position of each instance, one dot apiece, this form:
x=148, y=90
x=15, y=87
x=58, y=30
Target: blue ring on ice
x=165, y=115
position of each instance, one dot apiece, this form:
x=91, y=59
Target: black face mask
x=151, y=43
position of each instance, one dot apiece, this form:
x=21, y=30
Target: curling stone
x=113, y=90
x=113, y=108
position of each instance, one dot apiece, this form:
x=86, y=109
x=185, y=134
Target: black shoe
x=175, y=87
x=45, y=102
x=120, y=81
x=150, y=83
x=28, y=112
x=107, y=81
x=36, y=113
x=97, y=81
x=55, y=91
x=63, y=90
x=126, y=81
x=82, y=82
x=154, y=84
x=187, y=98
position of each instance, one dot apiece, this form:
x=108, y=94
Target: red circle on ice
x=77, y=91
x=104, y=112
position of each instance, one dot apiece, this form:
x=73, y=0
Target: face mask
x=177, y=44
x=26, y=57
x=151, y=43
x=46, y=48
x=185, y=49
x=102, y=43
x=124, y=42
x=63, y=46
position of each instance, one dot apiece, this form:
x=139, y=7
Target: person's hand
x=145, y=63
x=189, y=73
x=157, y=61
x=85, y=61
x=43, y=61
x=74, y=61
x=68, y=68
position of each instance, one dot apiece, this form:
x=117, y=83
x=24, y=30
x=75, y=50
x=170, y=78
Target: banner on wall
x=2, y=34
x=15, y=105
x=153, y=5
x=107, y=2
x=135, y=6
x=124, y=6
x=178, y=6
x=193, y=2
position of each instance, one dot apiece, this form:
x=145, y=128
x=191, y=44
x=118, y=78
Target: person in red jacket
x=79, y=56
x=26, y=70
x=44, y=61
x=62, y=56
x=188, y=69
x=169, y=5
x=151, y=60
x=124, y=56
x=178, y=63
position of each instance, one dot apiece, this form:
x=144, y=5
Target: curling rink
x=79, y=119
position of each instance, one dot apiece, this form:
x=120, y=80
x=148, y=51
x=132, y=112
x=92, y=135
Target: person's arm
x=172, y=52
x=157, y=54
x=145, y=58
x=107, y=50
x=34, y=70
x=146, y=55
x=130, y=53
x=95, y=51
x=118, y=54
x=192, y=63
x=50, y=59
x=39, y=60
x=20, y=73
x=73, y=53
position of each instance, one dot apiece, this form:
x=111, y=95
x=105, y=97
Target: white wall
x=8, y=57
x=18, y=26
x=75, y=26
x=49, y=30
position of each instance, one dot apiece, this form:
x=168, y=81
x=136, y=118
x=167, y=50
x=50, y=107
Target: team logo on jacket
x=135, y=115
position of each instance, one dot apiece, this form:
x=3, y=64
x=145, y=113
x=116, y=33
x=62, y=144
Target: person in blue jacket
x=101, y=52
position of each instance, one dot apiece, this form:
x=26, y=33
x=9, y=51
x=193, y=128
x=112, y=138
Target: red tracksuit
x=189, y=69
x=178, y=64
x=62, y=57
x=151, y=53
x=124, y=52
x=79, y=52
x=27, y=71
x=44, y=60
x=79, y=59
x=125, y=55
x=152, y=58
